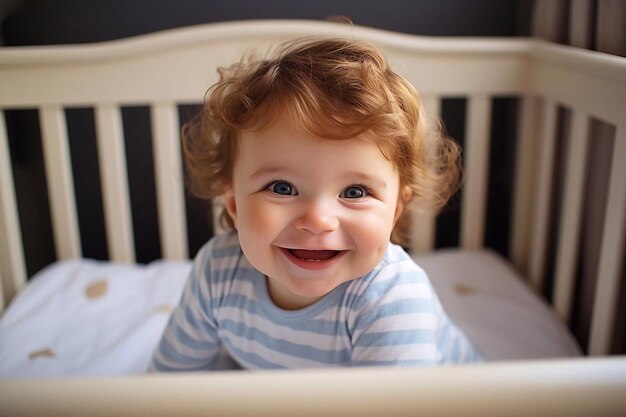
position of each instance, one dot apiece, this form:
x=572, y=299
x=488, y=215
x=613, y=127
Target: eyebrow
x=268, y=170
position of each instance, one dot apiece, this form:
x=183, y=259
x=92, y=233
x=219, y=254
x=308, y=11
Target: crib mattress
x=89, y=318
x=494, y=305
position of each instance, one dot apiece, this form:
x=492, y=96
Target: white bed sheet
x=85, y=318
x=91, y=318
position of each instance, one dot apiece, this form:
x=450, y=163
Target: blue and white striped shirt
x=390, y=316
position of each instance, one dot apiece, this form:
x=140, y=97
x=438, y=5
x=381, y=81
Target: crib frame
x=575, y=388
x=112, y=74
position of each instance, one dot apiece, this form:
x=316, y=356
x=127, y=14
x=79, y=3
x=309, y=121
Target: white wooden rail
x=60, y=182
x=524, y=182
x=476, y=165
x=542, y=201
x=570, y=216
x=112, y=161
x=572, y=388
x=169, y=181
x=424, y=223
x=610, y=271
x=12, y=265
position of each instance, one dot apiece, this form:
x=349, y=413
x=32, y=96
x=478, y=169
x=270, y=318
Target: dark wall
x=71, y=21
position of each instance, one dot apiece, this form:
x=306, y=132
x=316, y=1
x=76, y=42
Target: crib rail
x=166, y=69
x=566, y=388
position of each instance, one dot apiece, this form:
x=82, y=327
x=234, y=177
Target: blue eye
x=282, y=188
x=355, y=191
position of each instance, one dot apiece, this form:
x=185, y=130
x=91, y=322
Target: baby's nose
x=317, y=217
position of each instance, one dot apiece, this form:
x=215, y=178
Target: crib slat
x=112, y=160
x=525, y=167
x=423, y=227
x=60, y=183
x=543, y=193
x=169, y=180
x=569, y=230
x=612, y=251
x=12, y=265
x=476, y=168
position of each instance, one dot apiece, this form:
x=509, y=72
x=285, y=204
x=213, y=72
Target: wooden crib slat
x=569, y=229
x=112, y=160
x=525, y=168
x=60, y=183
x=476, y=167
x=612, y=252
x=12, y=265
x=169, y=180
x=423, y=227
x=543, y=193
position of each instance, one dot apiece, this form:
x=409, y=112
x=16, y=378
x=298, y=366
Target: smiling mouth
x=313, y=255
x=313, y=260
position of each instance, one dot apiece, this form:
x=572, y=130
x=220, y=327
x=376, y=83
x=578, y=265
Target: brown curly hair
x=334, y=89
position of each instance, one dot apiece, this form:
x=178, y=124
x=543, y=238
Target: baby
x=317, y=154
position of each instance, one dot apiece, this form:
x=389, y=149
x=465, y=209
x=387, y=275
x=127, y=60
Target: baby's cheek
x=372, y=234
x=263, y=219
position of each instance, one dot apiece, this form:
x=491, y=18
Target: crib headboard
x=570, y=101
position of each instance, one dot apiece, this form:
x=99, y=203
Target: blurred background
x=38, y=22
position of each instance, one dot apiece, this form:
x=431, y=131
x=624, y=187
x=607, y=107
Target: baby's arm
x=452, y=344
x=190, y=341
x=399, y=321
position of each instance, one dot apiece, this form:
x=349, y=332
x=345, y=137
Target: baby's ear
x=404, y=197
x=231, y=205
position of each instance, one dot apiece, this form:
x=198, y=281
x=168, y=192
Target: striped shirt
x=390, y=316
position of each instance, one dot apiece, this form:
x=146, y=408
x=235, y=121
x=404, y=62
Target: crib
x=570, y=115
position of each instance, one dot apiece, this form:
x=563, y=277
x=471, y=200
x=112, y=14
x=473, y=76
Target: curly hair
x=333, y=89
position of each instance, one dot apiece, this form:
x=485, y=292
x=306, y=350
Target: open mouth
x=313, y=255
x=313, y=259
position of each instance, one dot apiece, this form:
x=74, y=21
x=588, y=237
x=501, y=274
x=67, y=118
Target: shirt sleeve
x=452, y=344
x=398, y=321
x=190, y=340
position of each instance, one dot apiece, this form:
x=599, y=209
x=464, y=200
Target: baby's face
x=311, y=213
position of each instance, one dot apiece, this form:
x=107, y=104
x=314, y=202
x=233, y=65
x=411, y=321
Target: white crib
x=163, y=70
